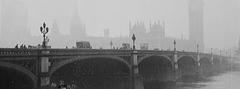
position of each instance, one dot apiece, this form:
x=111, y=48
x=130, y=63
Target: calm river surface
x=229, y=80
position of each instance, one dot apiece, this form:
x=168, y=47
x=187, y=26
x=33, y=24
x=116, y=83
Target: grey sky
x=222, y=17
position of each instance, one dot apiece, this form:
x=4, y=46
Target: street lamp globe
x=44, y=30
x=133, y=38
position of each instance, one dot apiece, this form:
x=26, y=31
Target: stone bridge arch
x=68, y=61
x=205, y=59
x=206, y=65
x=19, y=69
x=157, y=55
x=187, y=65
x=216, y=60
x=93, y=72
x=194, y=57
x=155, y=70
x=217, y=64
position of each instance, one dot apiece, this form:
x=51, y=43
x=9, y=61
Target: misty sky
x=221, y=17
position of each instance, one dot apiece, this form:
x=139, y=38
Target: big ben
x=196, y=23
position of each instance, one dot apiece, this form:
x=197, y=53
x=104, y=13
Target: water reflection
x=229, y=80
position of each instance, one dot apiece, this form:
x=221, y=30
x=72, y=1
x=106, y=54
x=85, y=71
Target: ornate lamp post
x=133, y=38
x=44, y=30
x=174, y=43
x=230, y=53
x=111, y=44
x=220, y=52
x=226, y=52
x=212, y=55
x=211, y=51
x=197, y=48
x=175, y=57
x=198, y=56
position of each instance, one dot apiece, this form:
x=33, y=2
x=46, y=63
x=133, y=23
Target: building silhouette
x=77, y=28
x=106, y=33
x=157, y=28
x=154, y=36
x=196, y=22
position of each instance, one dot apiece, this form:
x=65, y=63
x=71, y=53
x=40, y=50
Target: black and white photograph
x=119, y=44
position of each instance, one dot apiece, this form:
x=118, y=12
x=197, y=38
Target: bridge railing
x=72, y=52
x=87, y=52
x=60, y=52
x=103, y=52
x=17, y=52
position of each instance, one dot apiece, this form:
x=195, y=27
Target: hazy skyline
x=221, y=17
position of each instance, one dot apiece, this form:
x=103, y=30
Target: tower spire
x=77, y=27
x=196, y=23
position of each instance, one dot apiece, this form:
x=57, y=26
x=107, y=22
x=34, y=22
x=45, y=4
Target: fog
x=221, y=17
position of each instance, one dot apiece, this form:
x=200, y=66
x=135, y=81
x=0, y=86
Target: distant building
x=156, y=38
x=77, y=28
x=55, y=29
x=157, y=29
x=153, y=39
x=138, y=29
x=144, y=46
x=146, y=38
x=106, y=33
x=196, y=23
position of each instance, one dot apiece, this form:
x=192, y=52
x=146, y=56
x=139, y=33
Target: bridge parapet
x=17, y=52
x=88, y=52
x=12, y=52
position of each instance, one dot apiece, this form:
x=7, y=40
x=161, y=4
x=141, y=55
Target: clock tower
x=196, y=33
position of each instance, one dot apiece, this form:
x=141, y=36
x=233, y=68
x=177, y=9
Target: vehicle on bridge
x=83, y=45
x=39, y=46
x=125, y=46
x=144, y=46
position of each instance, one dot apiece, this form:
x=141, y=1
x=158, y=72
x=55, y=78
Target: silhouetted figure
x=21, y=47
x=39, y=46
x=24, y=46
x=16, y=46
x=62, y=85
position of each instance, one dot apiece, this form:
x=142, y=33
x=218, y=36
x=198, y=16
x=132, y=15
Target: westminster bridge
x=103, y=68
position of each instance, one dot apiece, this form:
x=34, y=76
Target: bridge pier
x=176, y=72
x=137, y=80
x=44, y=78
x=199, y=71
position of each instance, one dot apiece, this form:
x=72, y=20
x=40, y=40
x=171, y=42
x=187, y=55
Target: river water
x=224, y=80
x=228, y=80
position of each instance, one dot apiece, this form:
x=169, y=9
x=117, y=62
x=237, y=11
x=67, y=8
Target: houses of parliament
x=14, y=31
